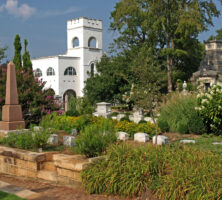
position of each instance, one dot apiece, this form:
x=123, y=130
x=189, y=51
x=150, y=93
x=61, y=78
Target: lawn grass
x=7, y=196
x=204, y=143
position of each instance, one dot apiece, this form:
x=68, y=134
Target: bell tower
x=84, y=40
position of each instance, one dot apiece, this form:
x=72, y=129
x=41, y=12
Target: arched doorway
x=66, y=97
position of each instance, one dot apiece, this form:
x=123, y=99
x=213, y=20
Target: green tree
x=27, y=64
x=110, y=82
x=150, y=80
x=17, y=49
x=162, y=24
x=217, y=37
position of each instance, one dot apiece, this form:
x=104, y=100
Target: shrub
x=209, y=106
x=66, y=123
x=170, y=172
x=72, y=113
x=27, y=140
x=95, y=138
x=142, y=121
x=132, y=127
x=126, y=118
x=178, y=114
x=114, y=114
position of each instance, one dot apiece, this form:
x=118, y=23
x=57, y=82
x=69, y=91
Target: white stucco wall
x=78, y=57
x=43, y=64
x=67, y=82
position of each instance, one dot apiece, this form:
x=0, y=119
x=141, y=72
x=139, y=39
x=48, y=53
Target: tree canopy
x=164, y=25
x=110, y=82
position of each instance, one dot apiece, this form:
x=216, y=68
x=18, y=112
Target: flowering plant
x=210, y=108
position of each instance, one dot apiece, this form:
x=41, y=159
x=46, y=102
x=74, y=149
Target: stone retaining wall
x=52, y=166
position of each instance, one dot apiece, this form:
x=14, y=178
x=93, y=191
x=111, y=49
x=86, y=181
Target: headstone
x=122, y=136
x=161, y=139
x=141, y=137
x=103, y=109
x=69, y=141
x=53, y=139
x=216, y=143
x=74, y=132
x=119, y=116
x=187, y=141
x=38, y=129
x=138, y=115
x=11, y=111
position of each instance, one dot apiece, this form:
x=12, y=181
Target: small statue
x=184, y=87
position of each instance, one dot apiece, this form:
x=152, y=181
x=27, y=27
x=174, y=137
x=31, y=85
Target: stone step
x=49, y=166
x=47, y=175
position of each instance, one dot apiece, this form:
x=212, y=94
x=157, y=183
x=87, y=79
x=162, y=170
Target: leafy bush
x=66, y=123
x=27, y=140
x=170, y=172
x=210, y=108
x=95, y=138
x=79, y=106
x=114, y=114
x=132, y=127
x=178, y=114
x=125, y=118
x=72, y=113
x=142, y=121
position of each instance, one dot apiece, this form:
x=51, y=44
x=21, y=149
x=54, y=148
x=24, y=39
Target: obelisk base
x=11, y=113
x=12, y=125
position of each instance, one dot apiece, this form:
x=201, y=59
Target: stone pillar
x=11, y=111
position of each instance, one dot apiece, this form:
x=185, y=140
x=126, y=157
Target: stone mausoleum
x=65, y=74
x=210, y=70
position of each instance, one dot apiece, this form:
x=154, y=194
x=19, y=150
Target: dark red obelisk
x=11, y=111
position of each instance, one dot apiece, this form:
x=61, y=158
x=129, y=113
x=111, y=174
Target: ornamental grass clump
x=178, y=114
x=210, y=109
x=126, y=171
x=168, y=172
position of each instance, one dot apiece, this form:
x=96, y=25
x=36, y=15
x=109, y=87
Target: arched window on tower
x=92, y=43
x=92, y=69
x=50, y=72
x=38, y=72
x=75, y=42
x=70, y=71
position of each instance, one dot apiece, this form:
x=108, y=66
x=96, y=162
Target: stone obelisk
x=11, y=111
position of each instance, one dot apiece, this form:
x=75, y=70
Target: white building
x=66, y=74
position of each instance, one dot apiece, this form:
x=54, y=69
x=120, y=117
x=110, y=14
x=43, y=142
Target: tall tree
x=17, y=55
x=110, y=82
x=162, y=23
x=27, y=64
